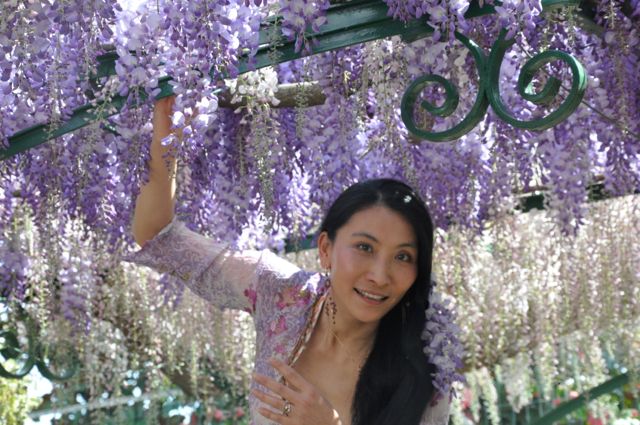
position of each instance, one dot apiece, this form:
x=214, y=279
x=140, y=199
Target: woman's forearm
x=155, y=204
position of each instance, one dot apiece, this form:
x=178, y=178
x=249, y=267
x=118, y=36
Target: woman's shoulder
x=283, y=285
x=283, y=315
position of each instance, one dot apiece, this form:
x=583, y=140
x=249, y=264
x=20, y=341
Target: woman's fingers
x=307, y=405
x=278, y=388
x=290, y=374
x=276, y=402
x=275, y=417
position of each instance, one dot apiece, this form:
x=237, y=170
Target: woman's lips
x=370, y=298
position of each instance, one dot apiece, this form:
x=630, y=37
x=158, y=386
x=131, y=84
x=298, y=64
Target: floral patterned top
x=285, y=302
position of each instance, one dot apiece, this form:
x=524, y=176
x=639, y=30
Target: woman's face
x=373, y=262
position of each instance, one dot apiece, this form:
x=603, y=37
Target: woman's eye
x=364, y=247
x=405, y=257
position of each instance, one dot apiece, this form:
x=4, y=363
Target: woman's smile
x=369, y=298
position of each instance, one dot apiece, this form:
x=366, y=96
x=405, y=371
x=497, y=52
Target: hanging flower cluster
x=545, y=307
x=443, y=348
x=47, y=51
x=300, y=15
x=447, y=17
x=444, y=16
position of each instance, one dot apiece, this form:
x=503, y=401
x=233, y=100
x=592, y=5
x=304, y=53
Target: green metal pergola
x=350, y=23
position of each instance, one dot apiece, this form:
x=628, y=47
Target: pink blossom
x=239, y=413
x=252, y=295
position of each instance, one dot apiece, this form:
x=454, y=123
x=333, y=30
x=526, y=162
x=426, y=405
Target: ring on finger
x=287, y=408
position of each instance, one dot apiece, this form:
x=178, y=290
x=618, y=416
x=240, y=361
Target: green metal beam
x=82, y=116
x=570, y=406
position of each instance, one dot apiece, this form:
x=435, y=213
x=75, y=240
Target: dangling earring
x=331, y=303
x=334, y=309
x=325, y=277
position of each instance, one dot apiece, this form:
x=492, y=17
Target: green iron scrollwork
x=10, y=350
x=36, y=354
x=475, y=115
x=489, y=92
x=489, y=88
x=525, y=86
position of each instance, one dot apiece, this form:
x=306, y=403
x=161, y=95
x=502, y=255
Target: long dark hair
x=395, y=383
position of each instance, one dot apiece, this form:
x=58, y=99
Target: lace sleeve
x=225, y=278
x=437, y=412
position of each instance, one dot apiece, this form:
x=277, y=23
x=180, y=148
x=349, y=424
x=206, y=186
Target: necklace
x=353, y=360
x=358, y=364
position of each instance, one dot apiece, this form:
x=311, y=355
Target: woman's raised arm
x=155, y=204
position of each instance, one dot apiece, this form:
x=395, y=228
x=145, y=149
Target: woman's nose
x=379, y=272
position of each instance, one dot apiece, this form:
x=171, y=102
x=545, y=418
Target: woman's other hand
x=306, y=405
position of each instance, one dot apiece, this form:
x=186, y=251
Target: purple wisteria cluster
x=447, y=17
x=14, y=267
x=443, y=347
x=76, y=279
x=47, y=51
x=519, y=15
x=330, y=133
x=620, y=51
x=300, y=15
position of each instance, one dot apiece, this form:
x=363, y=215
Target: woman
x=341, y=348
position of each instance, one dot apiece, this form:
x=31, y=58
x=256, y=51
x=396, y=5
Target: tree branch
x=289, y=95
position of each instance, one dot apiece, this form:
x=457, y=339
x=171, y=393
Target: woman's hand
x=165, y=104
x=156, y=200
x=306, y=405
